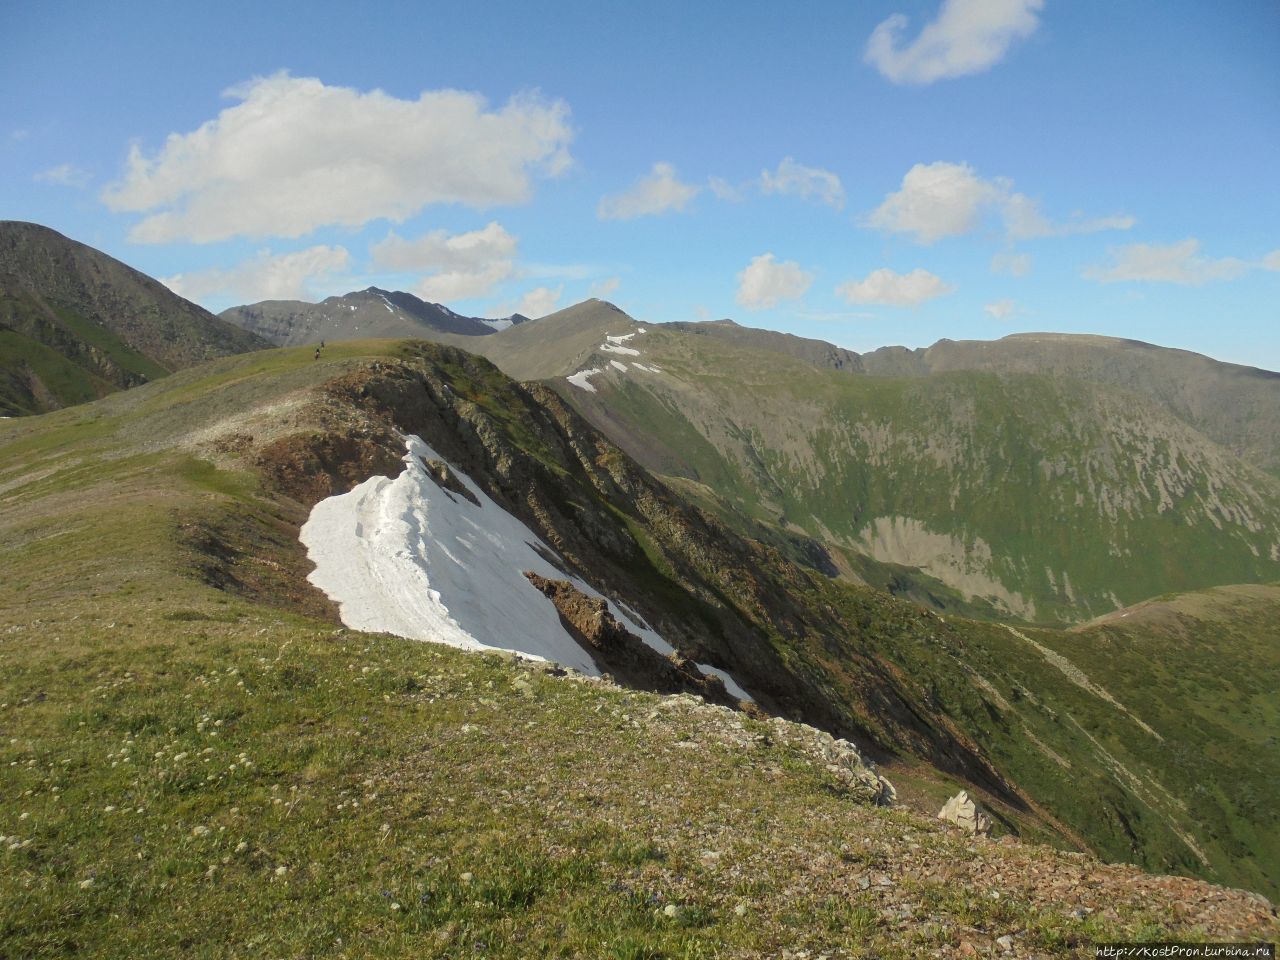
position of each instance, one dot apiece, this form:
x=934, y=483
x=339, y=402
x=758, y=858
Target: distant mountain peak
x=371, y=313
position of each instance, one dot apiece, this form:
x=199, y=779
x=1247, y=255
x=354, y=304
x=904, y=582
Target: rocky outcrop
x=620, y=651
x=964, y=813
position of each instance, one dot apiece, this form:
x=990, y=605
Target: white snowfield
x=407, y=557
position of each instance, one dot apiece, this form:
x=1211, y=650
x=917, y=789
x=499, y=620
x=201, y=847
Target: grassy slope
x=34, y=378
x=1025, y=478
x=1235, y=405
x=117, y=658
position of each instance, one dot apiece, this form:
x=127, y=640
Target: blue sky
x=864, y=172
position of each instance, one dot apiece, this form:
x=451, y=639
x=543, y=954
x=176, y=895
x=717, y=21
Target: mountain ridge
x=371, y=313
x=76, y=324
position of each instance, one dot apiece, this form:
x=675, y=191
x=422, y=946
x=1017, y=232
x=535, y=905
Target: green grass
x=201, y=778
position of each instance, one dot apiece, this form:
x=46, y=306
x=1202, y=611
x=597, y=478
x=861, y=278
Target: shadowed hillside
x=76, y=324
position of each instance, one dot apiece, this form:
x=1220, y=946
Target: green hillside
x=1236, y=406
x=76, y=324
x=150, y=547
x=1042, y=497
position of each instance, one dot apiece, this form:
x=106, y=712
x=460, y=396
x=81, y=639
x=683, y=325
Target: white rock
x=965, y=814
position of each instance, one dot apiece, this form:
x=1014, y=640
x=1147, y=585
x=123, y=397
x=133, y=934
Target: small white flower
x=199, y=831
x=281, y=870
x=109, y=809
x=241, y=847
x=86, y=884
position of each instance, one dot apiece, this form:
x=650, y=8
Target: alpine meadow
x=663, y=482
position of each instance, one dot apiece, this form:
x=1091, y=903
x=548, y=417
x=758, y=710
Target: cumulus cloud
x=885, y=287
x=462, y=265
x=1173, y=263
x=294, y=155
x=659, y=192
x=1001, y=309
x=286, y=276
x=1014, y=264
x=766, y=282
x=936, y=200
x=801, y=181
x=967, y=36
x=944, y=199
x=538, y=302
x=64, y=175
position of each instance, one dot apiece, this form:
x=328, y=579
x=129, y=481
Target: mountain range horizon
x=1041, y=570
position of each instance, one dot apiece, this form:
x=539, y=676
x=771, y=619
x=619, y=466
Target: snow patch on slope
x=582, y=380
x=613, y=348
x=407, y=557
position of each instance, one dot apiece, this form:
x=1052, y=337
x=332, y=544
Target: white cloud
x=286, y=276
x=722, y=189
x=659, y=192
x=64, y=175
x=294, y=155
x=1172, y=263
x=602, y=288
x=807, y=182
x=1001, y=309
x=538, y=302
x=885, y=287
x=936, y=200
x=1014, y=264
x=766, y=282
x=1024, y=221
x=967, y=36
x=1271, y=261
x=465, y=265
x=944, y=199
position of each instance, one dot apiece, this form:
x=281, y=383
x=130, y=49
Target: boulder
x=965, y=814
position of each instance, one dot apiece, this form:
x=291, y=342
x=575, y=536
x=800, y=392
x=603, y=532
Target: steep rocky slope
x=76, y=324
x=362, y=315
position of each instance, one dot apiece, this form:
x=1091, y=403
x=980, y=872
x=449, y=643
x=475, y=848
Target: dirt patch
x=311, y=467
